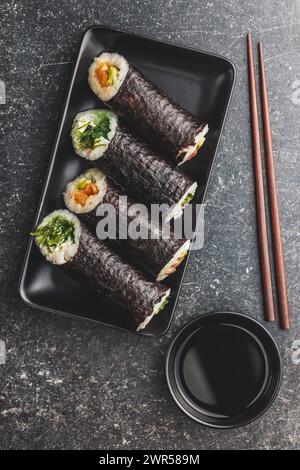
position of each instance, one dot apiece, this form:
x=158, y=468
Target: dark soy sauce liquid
x=223, y=369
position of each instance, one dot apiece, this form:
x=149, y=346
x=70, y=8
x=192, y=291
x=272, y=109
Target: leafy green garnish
x=56, y=232
x=90, y=137
x=188, y=198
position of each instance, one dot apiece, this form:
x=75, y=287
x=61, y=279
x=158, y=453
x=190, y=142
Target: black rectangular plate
x=200, y=82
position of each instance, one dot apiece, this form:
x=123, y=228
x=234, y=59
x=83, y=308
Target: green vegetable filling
x=182, y=256
x=164, y=304
x=56, y=232
x=113, y=75
x=200, y=144
x=83, y=183
x=188, y=198
x=91, y=137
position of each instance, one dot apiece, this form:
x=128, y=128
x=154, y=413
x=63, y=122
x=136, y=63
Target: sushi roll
x=145, y=107
x=98, y=137
x=161, y=256
x=86, y=192
x=64, y=240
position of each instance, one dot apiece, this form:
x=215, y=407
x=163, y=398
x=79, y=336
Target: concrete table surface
x=72, y=385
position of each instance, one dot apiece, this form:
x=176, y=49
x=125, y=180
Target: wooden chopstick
x=259, y=191
x=285, y=318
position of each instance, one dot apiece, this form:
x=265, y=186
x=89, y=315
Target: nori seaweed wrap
x=65, y=241
x=98, y=137
x=146, y=108
x=160, y=255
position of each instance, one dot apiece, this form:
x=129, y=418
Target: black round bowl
x=223, y=370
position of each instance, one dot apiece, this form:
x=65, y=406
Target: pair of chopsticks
x=285, y=318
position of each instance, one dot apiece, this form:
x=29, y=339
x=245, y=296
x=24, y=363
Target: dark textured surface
x=68, y=384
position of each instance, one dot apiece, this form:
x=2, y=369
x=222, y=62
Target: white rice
x=92, y=201
x=155, y=311
x=82, y=121
x=177, y=209
x=189, y=150
x=174, y=262
x=67, y=250
x=110, y=58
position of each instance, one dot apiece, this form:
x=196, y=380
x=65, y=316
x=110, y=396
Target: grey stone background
x=66, y=383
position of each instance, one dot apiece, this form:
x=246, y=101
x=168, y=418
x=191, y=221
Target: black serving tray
x=202, y=83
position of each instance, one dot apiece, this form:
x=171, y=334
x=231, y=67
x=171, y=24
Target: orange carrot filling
x=81, y=195
x=107, y=74
x=103, y=75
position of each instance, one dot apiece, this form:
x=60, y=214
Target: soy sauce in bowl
x=223, y=369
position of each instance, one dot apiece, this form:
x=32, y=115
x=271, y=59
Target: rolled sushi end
x=157, y=309
x=106, y=74
x=58, y=236
x=92, y=132
x=177, y=209
x=85, y=192
x=174, y=262
x=191, y=151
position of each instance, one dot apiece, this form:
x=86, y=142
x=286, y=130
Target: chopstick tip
x=249, y=41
